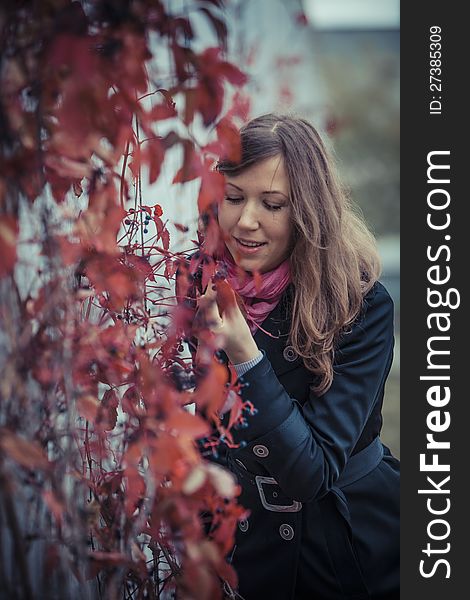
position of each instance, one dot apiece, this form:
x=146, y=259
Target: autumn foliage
x=103, y=486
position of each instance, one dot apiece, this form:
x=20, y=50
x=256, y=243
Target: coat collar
x=280, y=354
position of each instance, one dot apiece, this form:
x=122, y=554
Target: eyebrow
x=266, y=192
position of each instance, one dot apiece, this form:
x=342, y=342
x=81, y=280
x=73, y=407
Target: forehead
x=267, y=175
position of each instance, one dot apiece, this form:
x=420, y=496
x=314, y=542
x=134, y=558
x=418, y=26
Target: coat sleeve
x=306, y=448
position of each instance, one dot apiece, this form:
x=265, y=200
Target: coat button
x=260, y=451
x=286, y=531
x=243, y=525
x=290, y=354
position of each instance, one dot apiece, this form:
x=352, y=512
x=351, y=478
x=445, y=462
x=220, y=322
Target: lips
x=248, y=246
x=250, y=243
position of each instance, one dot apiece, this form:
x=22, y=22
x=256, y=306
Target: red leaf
x=230, y=140
x=240, y=106
x=67, y=169
x=53, y=504
x=211, y=392
x=136, y=161
x=99, y=225
x=208, y=272
x=190, y=104
x=225, y=296
x=213, y=238
x=214, y=148
x=26, y=453
x=87, y=407
x=107, y=415
x=235, y=409
x=130, y=62
x=135, y=489
x=182, y=57
x=51, y=560
x=165, y=453
x=159, y=225
x=213, y=66
x=192, y=166
x=122, y=282
x=285, y=94
x=301, y=18
x=226, y=572
x=166, y=239
x=72, y=55
x=8, y=239
x=170, y=268
x=207, y=96
x=184, y=423
x=209, y=99
x=131, y=401
x=154, y=155
x=104, y=560
x=59, y=185
x=108, y=558
x=168, y=97
x=161, y=112
x=142, y=265
x=212, y=187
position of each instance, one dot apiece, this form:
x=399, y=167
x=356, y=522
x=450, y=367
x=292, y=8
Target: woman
x=313, y=344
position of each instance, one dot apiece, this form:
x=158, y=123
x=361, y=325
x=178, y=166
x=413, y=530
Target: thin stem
x=123, y=171
x=16, y=536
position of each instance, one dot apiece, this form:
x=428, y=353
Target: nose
x=248, y=217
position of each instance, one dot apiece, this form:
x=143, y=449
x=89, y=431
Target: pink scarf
x=267, y=293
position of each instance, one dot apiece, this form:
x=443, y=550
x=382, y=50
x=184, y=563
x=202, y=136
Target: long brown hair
x=334, y=261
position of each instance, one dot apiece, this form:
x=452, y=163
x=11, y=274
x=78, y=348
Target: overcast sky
x=353, y=14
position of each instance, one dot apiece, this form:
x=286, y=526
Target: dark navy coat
x=322, y=490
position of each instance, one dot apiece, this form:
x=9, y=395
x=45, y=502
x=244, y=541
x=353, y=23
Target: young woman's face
x=255, y=216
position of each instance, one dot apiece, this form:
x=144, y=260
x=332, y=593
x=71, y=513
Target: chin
x=252, y=266
x=249, y=264
x=246, y=264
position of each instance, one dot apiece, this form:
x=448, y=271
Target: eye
x=273, y=207
x=233, y=199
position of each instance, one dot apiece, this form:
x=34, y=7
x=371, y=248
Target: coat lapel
x=277, y=324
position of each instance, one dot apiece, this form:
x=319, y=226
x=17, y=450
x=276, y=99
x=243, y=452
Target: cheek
x=284, y=232
x=224, y=217
x=227, y=217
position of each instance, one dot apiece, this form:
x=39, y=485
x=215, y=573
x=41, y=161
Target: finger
x=212, y=313
x=209, y=298
x=208, y=310
x=210, y=291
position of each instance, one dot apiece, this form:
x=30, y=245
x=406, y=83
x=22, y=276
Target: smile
x=249, y=246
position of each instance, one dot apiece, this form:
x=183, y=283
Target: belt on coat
x=334, y=507
x=358, y=466
x=335, y=512
x=361, y=464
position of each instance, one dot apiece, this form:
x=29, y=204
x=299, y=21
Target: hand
x=225, y=320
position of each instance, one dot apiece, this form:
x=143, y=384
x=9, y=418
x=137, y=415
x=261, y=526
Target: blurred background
x=335, y=63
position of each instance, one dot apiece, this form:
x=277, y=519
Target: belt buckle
x=260, y=481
